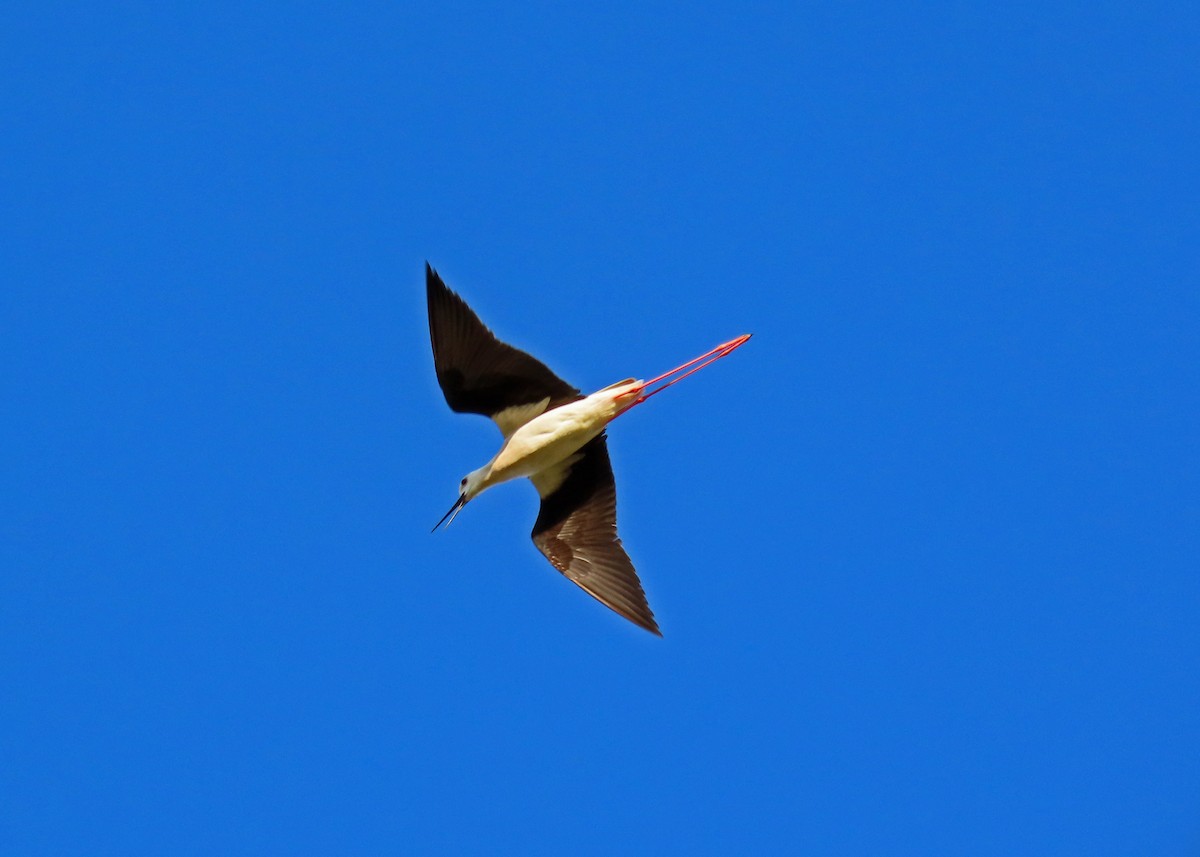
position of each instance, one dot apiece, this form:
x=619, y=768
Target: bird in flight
x=554, y=436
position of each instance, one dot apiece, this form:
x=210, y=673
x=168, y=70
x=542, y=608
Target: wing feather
x=477, y=372
x=576, y=529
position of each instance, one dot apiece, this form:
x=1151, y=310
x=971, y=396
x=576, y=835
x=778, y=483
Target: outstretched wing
x=577, y=531
x=478, y=373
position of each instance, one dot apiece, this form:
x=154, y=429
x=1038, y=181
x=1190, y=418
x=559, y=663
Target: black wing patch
x=577, y=531
x=477, y=372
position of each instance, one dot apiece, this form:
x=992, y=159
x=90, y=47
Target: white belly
x=552, y=437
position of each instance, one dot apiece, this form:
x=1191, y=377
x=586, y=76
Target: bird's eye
x=464, y=482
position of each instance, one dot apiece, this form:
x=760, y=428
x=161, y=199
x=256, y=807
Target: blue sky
x=924, y=552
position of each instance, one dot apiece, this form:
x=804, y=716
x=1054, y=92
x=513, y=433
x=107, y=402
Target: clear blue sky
x=925, y=552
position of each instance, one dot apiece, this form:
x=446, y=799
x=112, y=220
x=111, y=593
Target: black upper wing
x=478, y=373
x=577, y=531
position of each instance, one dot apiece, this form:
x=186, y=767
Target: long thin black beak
x=454, y=510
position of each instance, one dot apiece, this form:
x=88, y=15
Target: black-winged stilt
x=553, y=435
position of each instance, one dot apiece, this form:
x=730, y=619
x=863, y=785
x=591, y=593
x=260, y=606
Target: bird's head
x=468, y=487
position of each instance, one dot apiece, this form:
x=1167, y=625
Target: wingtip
x=651, y=625
x=434, y=284
x=641, y=620
x=646, y=622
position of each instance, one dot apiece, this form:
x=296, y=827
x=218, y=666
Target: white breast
x=551, y=437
